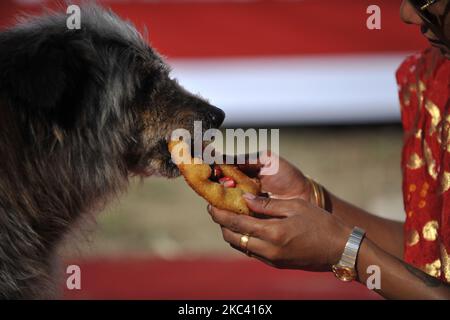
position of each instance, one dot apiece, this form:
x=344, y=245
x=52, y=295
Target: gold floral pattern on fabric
x=407, y=98
x=435, y=114
x=431, y=163
x=413, y=238
x=422, y=89
x=422, y=86
x=422, y=204
x=418, y=134
x=439, y=134
x=424, y=191
x=433, y=269
x=445, y=181
x=445, y=263
x=426, y=123
x=415, y=162
x=447, y=131
x=419, y=89
x=430, y=230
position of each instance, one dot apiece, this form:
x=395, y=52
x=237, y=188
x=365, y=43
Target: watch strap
x=351, y=249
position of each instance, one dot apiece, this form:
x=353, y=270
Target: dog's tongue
x=217, y=176
x=227, y=182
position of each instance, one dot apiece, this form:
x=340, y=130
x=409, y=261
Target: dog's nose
x=217, y=116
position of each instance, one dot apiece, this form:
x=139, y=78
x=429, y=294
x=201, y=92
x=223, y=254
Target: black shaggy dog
x=80, y=112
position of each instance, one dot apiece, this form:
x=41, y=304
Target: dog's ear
x=41, y=72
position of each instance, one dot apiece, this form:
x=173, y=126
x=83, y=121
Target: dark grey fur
x=80, y=111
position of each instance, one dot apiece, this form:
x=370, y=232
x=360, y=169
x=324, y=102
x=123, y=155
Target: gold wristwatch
x=345, y=269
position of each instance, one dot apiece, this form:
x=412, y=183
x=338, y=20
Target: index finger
x=237, y=222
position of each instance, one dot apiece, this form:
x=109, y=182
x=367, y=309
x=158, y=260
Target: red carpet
x=206, y=279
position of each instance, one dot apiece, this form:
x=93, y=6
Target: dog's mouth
x=169, y=167
x=197, y=148
x=160, y=161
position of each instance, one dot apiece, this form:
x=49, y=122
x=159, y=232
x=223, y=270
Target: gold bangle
x=318, y=192
x=314, y=191
x=322, y=197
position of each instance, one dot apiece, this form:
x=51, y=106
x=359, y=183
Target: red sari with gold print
x=424, y=86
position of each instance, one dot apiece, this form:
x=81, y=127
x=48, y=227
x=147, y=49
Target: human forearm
x=296, y=234
x=398, y=279
x=387, y=234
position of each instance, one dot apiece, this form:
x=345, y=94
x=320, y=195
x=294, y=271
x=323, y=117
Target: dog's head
x=100, y=92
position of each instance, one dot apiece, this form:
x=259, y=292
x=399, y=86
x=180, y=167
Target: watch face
x=344, y=273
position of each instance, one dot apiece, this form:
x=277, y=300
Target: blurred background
x=310, y=68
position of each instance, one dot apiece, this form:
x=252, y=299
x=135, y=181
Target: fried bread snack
x=222, y=185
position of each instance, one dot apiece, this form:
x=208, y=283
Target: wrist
x=337, y=240
x=364, y=255
x=316, y=195
x=346, y=268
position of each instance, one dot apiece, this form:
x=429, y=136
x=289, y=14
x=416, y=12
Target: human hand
x=287, y=183
x=296, y=235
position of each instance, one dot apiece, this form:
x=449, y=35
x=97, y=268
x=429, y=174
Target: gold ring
x=243, y=243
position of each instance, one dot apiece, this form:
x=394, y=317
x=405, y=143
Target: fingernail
x=249, y=196
x=209, y=208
